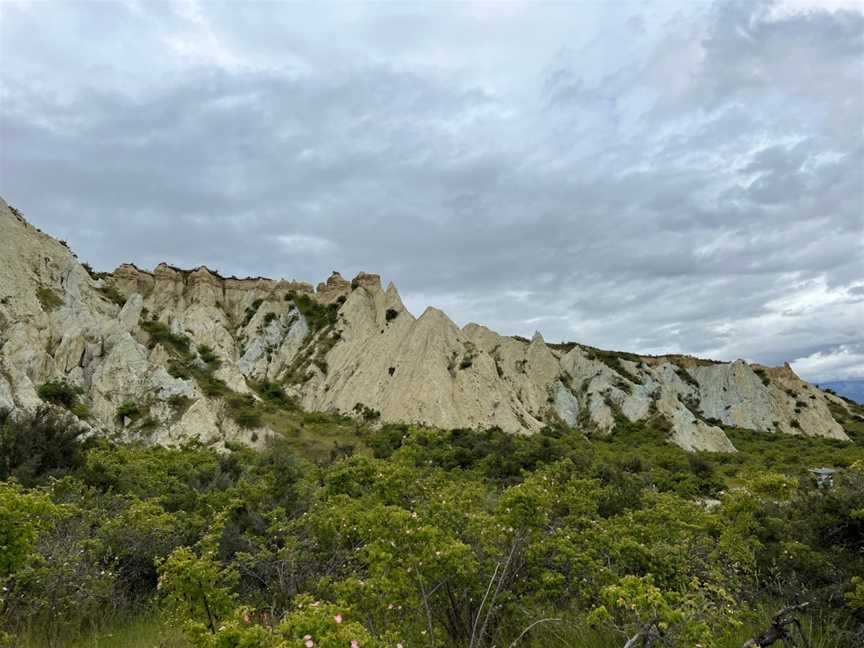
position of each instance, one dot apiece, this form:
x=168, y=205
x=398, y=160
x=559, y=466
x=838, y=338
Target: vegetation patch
x=317, y=316
x=314, y=352
x=250, y=311
x=612, y=359
x=687, y=377
x=37, y=446
x=367, y=413
x=130, y=410
x=113, y=295
x=243, y=410
x=49, y=299
x=763, y=376
x=209, y=357
x=179, y=404
x=274, y=394
x=161, y=334
x=59, y=392
x=333, y=525
x=94, y=274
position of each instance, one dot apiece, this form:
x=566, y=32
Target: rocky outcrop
x=162, y=339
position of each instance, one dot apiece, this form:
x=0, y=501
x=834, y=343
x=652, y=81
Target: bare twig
x=501, y=578
x=482, y=603
x=632, y=640
x=528, y=629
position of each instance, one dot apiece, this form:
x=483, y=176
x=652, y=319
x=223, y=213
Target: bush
x=49, y=299
x=273, y=393
x=113, y=295
x=179, y=403
x=318, y=316
x=161, y=334
x=59, y=392
x=81, y=410
x=209, y=357
x=129, y=410
x=38, y=444
x=243, y=411
x=250, y=311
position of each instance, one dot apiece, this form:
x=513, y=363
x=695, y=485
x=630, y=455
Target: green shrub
x=130, y=410
x=49, y=299
x=612, y=359
x=81, y=410
x=179, y=403
x=59, y=392
x=335, y=522
x=367, y=413
x=250, y=311
x=113, y=295
x=210, y=385
x=273, y=393
x=318, y=316
x=243, y=410
x=209, y=357
x=38, y=444
x=161, y=334
x=687, y=377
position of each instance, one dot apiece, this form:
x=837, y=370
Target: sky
x=645, y=176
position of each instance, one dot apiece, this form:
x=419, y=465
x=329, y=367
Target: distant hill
x=851, y=389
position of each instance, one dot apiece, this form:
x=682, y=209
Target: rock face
x=149, y=338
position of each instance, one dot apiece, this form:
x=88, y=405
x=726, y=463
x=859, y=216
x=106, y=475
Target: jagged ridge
x=145, y=337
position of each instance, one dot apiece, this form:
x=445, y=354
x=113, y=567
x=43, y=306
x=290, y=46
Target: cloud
x=301, y=243
x=688, y=179
x=840, y=363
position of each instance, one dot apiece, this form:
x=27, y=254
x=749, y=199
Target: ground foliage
x=421, y=537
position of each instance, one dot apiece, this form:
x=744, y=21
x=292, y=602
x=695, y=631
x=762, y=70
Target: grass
x=161, y=334
x=852, y=422
x=318, y=316
x=113, y=295
x=49, y=299
x=315, y=436
x=149, y=630
x=612, y=359
x=179, y=404
x=788, y=454
x=243, y=410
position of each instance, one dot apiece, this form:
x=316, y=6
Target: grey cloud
x=695, y=188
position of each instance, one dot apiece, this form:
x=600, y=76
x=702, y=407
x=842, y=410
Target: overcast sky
x=648, y=176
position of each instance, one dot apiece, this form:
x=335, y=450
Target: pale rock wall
x=422, y=370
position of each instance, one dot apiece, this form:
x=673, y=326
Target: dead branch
x=781, y=628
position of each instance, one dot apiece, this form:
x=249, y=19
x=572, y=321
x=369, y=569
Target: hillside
x=851, y=389
x=171, y=355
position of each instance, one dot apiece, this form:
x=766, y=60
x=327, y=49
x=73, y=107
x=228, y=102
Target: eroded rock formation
x=157, y=338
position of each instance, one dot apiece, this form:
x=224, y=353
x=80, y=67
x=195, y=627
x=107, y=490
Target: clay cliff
x=184, y=345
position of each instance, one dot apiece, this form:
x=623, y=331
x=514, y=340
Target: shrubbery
x=49, y=299
x=318, y=316
x=427, y=538
x=61, y=393
x=113, y=295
